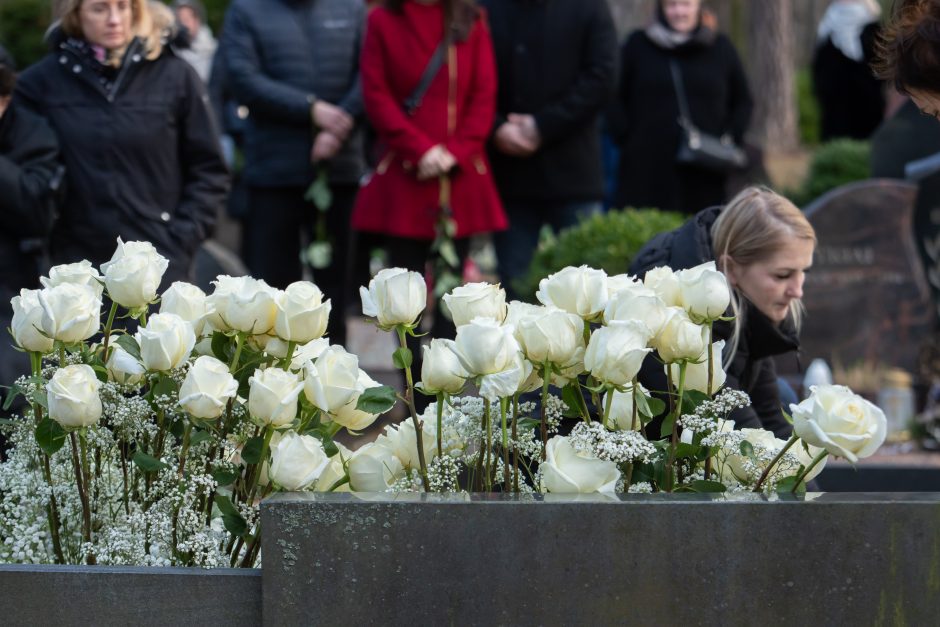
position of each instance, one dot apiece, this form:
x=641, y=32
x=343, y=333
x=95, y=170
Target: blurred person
x=557, y=65
x=718, y=100
x=764, y=245
x=201, y=47
x=30, y=178
x=295, y=65
x=432, y=153
x=908, y=53
x=851, y=98
x=137, y=138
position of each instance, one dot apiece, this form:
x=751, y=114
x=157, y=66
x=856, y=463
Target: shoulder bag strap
x=685, y=118
x=413, y=101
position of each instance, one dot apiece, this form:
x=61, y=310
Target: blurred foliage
x=833, y=164
x=807, y=108
x=22, y=24
x=607, y=241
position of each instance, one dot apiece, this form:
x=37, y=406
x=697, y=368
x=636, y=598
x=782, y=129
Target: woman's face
x=106, y=23
x=682, y=15
x=773, y=283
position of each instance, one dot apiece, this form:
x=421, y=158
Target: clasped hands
x=334, y=124
x=518, y=136
x=435, y=162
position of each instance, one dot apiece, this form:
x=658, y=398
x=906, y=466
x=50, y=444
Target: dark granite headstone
x=867, y=300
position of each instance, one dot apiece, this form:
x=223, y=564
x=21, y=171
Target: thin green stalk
x=239, y=342
x=410, y=396
x=821, y=456
x=82, y=495
x=488, y=473
x=711, y=359
x=107, y=331
x=185, y=449
x=52, y=508
x=291, y=345
x=674, y=440
x=440, y=424
x=265, y=445
x=608, y=402
x=515, y=439
x=546, y=381
x=777, y=458
x=503, y=407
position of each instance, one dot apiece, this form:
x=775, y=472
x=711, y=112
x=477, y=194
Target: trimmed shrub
x=834, y=164
x=22, y=24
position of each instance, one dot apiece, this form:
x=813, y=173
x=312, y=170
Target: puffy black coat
x=557, y=61
x=142, y=159
x=752, y=369
x=719, y=103
x=279, y=54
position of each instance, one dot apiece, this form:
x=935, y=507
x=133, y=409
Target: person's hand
x=530, y=130
x=4, y=103
x=332, y=119
x=325, y=147
x=435, y=162
x=510, y=139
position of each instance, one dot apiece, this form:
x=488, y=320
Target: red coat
x=397, y=48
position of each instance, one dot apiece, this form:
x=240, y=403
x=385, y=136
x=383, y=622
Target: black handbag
x=700, y=149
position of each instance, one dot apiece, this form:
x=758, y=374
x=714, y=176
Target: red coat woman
x=442, y=142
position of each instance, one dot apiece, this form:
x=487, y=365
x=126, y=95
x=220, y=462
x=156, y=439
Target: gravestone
x=867, y=301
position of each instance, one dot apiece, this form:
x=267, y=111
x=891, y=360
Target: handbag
x=700, y=149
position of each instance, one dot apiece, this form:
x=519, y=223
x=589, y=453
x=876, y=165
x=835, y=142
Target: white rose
x=374, y=468
x=242, y=304
x=733, y=465
x=297, y=461
x=680, y=339
x=301, y=313
x=517, y=311
x=476, y=300
x=166, y=342
x=704, y=292
x=664, y=282
x=276, y=347
x=335, y=472
x=616, y=352
x=552, y=335
x=620, y=282
x=70, y=312
x=134, y=273
x=332, y=380
x=567, y=470
x=638, y=303
x=515, y=378
x=208, y=386
x=394, y=296
x=485, y=347
x=840, y=421
x=72, y=395
x=27, y=322
x=621, y=408
x=696, y=374
x=441, y=370
x=348, y=415
x=186, y=301
x=581, y=291
x=403, y=442
x=124, y=367
x=272, y=396
x=78, y=273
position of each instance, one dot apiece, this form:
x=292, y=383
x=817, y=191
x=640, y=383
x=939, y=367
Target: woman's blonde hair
x=755, y=225
x=142, y=26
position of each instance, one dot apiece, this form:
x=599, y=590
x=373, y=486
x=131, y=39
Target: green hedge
x=607, y=241
x=834, y=164
x=22, y=24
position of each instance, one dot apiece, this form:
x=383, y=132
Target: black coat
x=556, y=60
x=279, y=55
x=752, y=369
x=719, y=103
x=142, y=159
x=851, y=99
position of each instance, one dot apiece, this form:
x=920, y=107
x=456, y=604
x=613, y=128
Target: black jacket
x=142, y=158
x=752, y=369
x=556, y=60
x=279, y=55
x=719, y=103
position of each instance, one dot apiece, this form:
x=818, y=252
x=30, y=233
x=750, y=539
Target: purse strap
x=685, y=118
x=413, y=101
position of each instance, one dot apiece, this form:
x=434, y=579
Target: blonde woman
x=139, y=145
x=764, y=245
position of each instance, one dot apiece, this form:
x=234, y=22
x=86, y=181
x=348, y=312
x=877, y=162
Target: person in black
x=851, y=99
x=138, y=139
x=556, y=64
x=718, y=100
x=764, y=245
x=295, y=65
x=30, y=178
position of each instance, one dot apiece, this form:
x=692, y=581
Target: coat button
x=136, y=58
x=76, y=68
x=63, y=60
x=165, y=216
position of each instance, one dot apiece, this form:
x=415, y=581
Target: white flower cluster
x=615, y=446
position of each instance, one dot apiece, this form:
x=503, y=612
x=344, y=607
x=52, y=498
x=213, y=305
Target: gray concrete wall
x=839, y=559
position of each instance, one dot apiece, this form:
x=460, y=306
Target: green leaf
x=165, y=386
x=225, y=504
x=329, y=447
x=747, y=449
x=402, y=358
x=147, y=463
x=571, y=396
x=221, y=346
x=198, y=437
x=319, y=192
x=251, y=452
x=377, y=400
x=786, y=485
x=39, y=397
x=449, y=254
x=235, y=524
x=224, y=477
x=50, y=436
x=666, y=429
x=129, y=344
x=707, y=486
x=14, y=392
x=685, y=450
x=655, y=406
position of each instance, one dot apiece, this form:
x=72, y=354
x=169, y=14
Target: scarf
x=843, y=23
x=668, y=39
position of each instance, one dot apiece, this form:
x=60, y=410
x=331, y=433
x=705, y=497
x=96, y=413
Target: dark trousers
x=279, y=222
